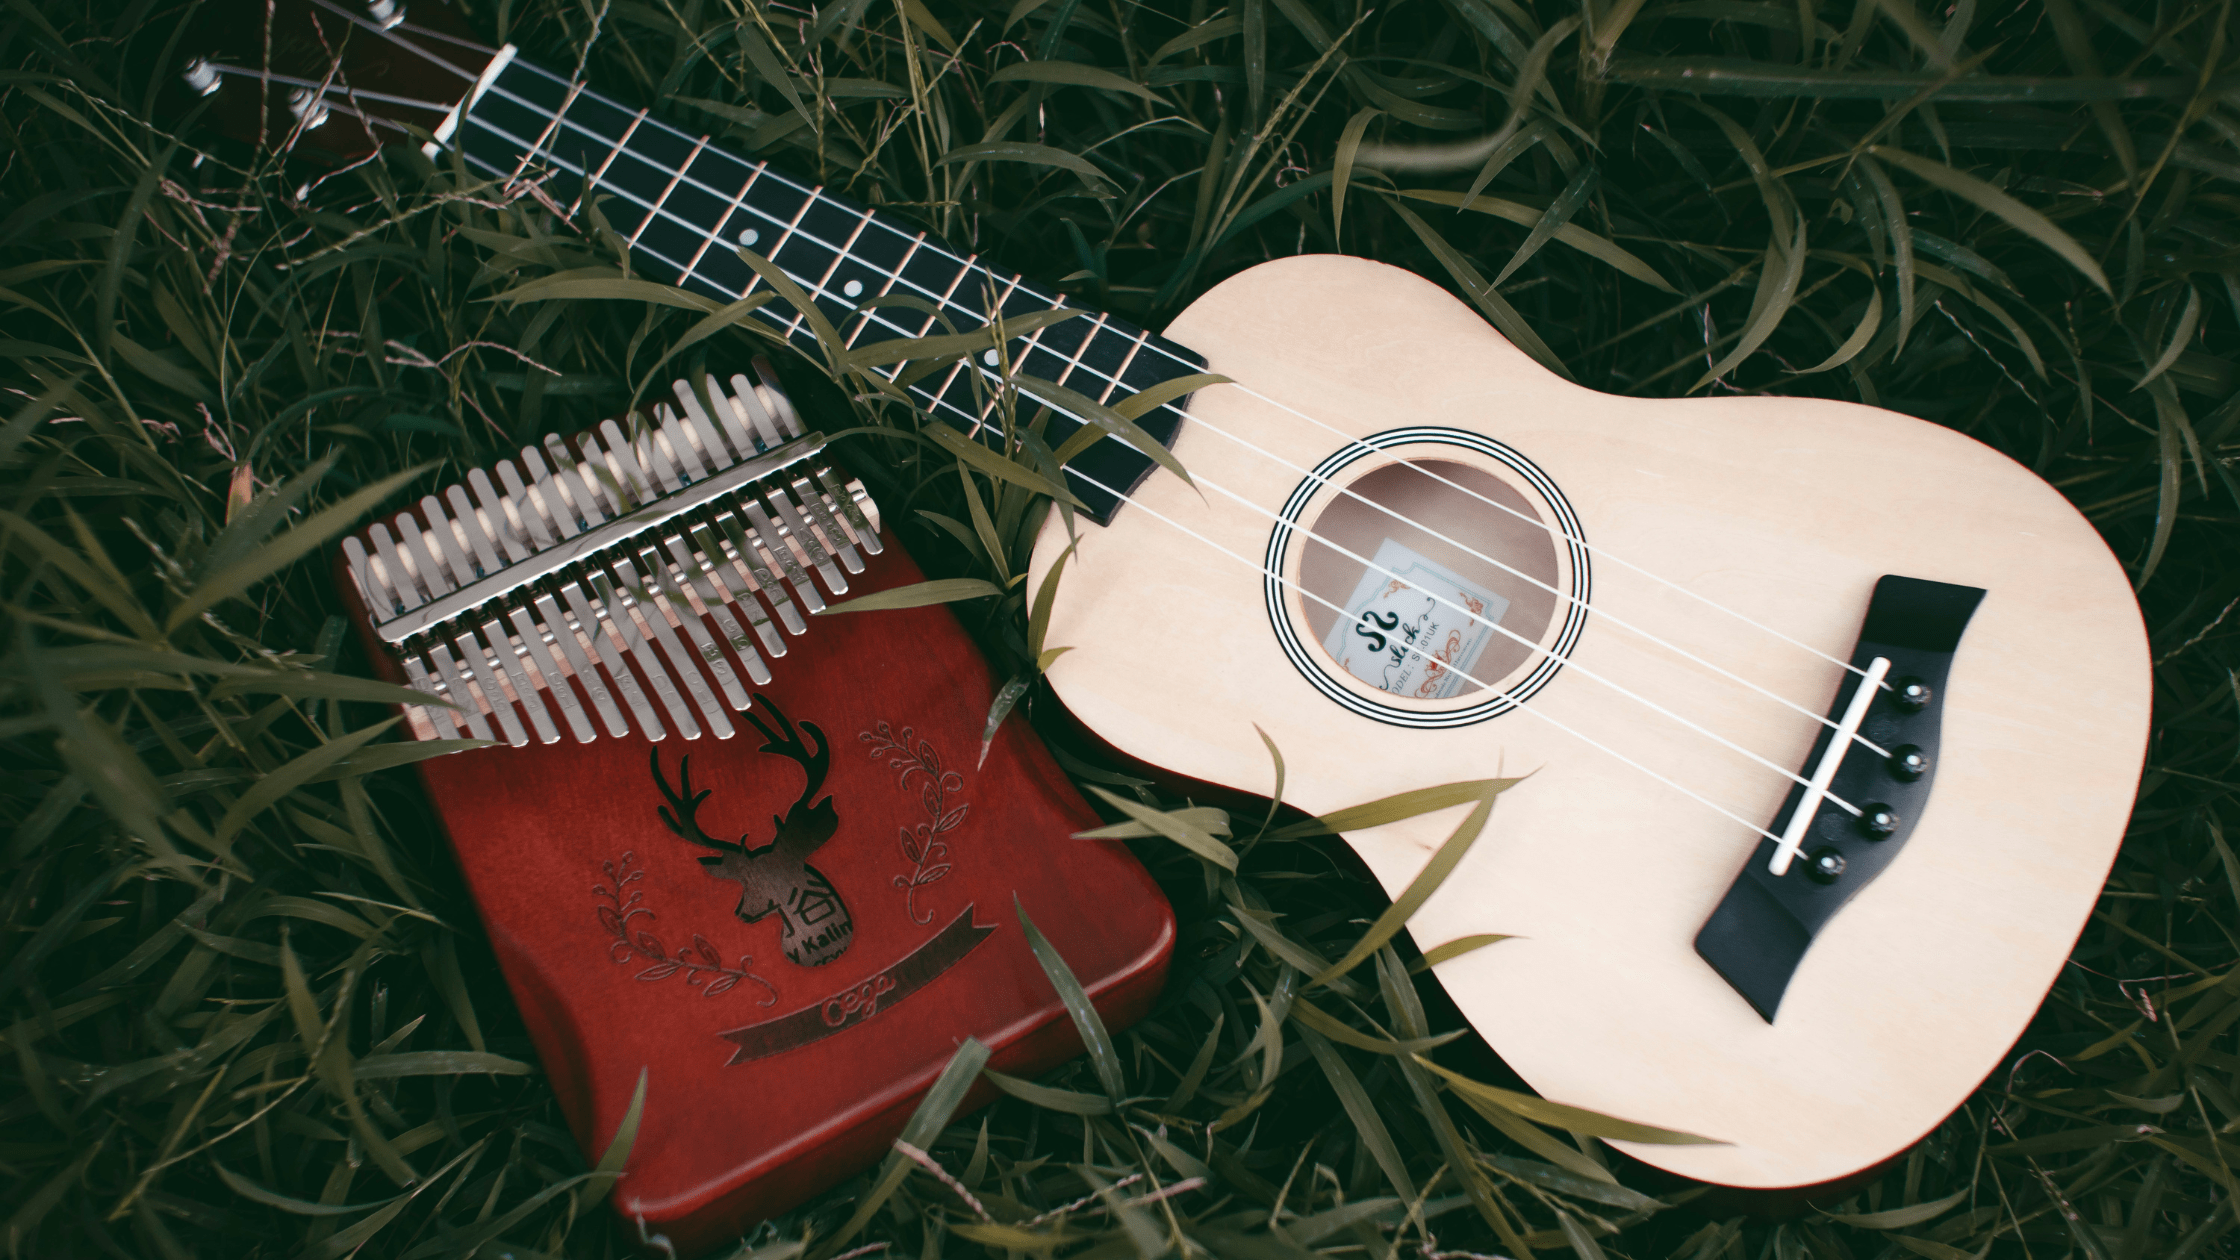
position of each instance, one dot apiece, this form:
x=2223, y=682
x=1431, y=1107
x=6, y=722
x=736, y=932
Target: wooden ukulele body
x=1784, y=510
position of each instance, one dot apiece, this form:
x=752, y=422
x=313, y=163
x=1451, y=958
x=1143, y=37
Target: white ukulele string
x=936, y=248
x=1535, y=648
x=1543, y=716
x=1603, y=612
x=431, y=33
x=1308, y=533
x=359, y=19
x=1565, y=727
x=1566, y=596
x=341, y=91
x=1565, y=535
x=1614, y=686
x=1620, y=689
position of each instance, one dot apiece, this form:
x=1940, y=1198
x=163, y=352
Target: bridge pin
x=1911, y=694
x=1908, y=762
x=1877, y=821
x=1826, y=864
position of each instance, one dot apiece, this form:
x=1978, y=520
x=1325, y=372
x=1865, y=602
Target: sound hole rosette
x=1292, y=615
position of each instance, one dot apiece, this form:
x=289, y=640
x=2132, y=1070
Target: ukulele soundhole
x=1430, y=577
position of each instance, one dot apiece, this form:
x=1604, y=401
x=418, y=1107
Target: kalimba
x=611, y=610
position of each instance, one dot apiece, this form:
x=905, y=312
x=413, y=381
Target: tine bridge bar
x=635, y=558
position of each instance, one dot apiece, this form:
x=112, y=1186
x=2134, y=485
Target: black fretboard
x=686, y=206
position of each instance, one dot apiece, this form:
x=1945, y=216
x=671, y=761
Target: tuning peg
x=385, y=13
x=306, y=105
x=202, y=76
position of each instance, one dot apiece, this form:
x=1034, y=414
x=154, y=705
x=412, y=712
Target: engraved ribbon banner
x=860, y=1001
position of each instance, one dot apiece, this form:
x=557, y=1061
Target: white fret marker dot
x=749, y=237
x=989, y=358
x=853, y=288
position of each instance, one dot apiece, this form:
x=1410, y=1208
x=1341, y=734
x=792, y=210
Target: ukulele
x=1829, y=719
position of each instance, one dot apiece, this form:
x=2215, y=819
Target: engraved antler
x=805, y=825
x=686, y=803
x=776, y=878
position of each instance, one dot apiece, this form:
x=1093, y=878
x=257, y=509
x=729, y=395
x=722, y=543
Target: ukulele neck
x=686, y=205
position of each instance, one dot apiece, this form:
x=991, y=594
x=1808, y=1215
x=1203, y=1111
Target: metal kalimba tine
x=611, y=550
x=790, y=935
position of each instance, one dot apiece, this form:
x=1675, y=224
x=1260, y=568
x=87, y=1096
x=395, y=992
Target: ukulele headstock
x=336, y=78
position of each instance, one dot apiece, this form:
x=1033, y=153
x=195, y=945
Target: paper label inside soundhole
x=1413, y=627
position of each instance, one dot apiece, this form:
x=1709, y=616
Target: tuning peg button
x=202, y=76
x=305, y=104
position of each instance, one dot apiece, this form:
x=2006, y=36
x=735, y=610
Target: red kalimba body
x=791, y=932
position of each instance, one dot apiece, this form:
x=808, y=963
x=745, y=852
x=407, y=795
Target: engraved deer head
x=815, y=926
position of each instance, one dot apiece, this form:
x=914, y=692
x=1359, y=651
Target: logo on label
x=1414, y=627
x=863, y=1000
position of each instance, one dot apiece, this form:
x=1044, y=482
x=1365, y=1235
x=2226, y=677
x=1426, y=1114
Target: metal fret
x=500, y=113
x=612, y=154
x=783, y=237
x=1096, y=326
x=818, y=289
x=545, y=137
x=894, y=277
x=663, y=199
x=709, y=237
x=1120, y=373
x=964, y=363
x=993, y=358
x=944, y=300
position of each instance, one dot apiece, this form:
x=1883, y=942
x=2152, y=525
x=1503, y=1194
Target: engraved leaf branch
x=922, y=846
x=701, y=965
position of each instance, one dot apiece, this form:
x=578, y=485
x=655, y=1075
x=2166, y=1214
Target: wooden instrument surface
x=544, y=833
x=1787, y=510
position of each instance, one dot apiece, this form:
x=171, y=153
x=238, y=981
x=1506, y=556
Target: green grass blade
x=1551, y=221
x=1427, y=881
x=2179, y=337
x=1072, y=73
x=284, y=550
x=1487, y=299
x=917, y=595
x=1177, y=826
x=1341, y=169
x=1368, y=1125
x=1029, y=152
x=1576, y=1119
x=2017, y=215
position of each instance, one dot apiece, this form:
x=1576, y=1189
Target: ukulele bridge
x=1820, y=854
x=651, y=567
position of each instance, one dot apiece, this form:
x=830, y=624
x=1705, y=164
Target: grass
x=246, y=1009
